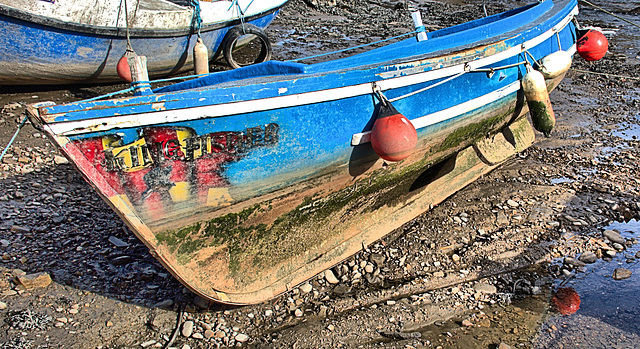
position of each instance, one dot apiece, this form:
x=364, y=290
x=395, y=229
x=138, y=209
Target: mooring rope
x=14, y=137
x=607, y=12
x=379, y=94
x=196, y=20
x=606, y=74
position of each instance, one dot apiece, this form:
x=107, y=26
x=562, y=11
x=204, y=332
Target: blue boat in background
x=78, y=41
x=248, y=182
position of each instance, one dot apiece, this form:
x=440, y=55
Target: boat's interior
x=446, y=39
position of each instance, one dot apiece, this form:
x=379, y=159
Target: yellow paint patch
x=219, y=197
x=181, y=191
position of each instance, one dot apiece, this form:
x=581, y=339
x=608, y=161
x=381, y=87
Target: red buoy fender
x=393, y=136
x=566, y=300
x=122, y=68
x=592, y=45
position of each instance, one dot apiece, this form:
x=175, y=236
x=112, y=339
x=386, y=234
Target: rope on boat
x=605, y=74
x=354, y=47
x=119, y=92
x=196, y=21
x=610, y=13
x=383, y=99
x=14, y=137
x=240, y=11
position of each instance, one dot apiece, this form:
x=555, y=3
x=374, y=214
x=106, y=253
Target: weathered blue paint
x=283, y=137
x=39, y=54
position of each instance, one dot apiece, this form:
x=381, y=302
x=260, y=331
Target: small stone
x=467, y=323
x=117, y=242
x=306, y=287
x=483, y=287
x=377, y=259
x=20, y=229
x=187, y=328
x=298, y=313
x=438, y=274
x=165, y=304
x=219, y=334
x=202, y=303
x=241, y=337
x=621, y=274
x=588, y=257
x=3, y=305
x=618, y=247
x=36, y=280
x=331, y=328
x=197, y=336
x=503, y=345
x=455, y=258
x=613, y=236
x=369, y=268
x=573, y=262
x=610, y=253
x=60, y=160
x=208, y=334
x=109, y=323
x=512, y=203
x=330, y=277
x=268, y=312
x=73, y=311
x=148, y=343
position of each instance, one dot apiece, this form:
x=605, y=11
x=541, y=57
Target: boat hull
x=37, y=54
x=246, y=183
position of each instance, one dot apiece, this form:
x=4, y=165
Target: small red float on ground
x=566, y=300
x=592, y=45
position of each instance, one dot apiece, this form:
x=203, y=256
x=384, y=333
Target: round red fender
x=393, y=136
x=566, y=300
x=122, y=68
x=593, y=45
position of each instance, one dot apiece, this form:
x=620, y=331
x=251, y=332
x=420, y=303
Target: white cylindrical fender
x=555, y=64
x=200, y=58
x=535, y=90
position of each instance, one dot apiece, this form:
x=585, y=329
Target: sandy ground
x=475, y=271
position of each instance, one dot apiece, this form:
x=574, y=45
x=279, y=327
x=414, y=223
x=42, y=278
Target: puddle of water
x=628, y=133
x=609, y=310
x=561, y=180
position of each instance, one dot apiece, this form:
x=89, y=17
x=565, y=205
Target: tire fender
x=231, y=40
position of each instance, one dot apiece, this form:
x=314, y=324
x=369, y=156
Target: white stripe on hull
x=69, y=128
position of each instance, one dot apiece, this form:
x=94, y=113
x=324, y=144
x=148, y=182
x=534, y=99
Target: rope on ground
x=14, y=137
x=605, y=74
x=607, y=12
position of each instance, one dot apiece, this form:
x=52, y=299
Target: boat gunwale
x=117, y=32
x=50, y=117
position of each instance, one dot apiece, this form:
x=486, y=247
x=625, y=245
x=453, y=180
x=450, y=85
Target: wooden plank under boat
x=248, y=182
x=78, y=41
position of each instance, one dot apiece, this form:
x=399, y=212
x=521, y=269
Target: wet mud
x=481, y=269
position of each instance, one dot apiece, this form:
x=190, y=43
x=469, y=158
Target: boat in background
x=248, y=182
x=77, y=41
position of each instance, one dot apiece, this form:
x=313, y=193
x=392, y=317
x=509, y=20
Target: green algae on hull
x=319, y=218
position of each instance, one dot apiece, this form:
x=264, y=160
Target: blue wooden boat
x=77, y=41
x=248, y=182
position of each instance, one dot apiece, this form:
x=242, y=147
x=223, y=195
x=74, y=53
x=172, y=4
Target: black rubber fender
x=231, y=39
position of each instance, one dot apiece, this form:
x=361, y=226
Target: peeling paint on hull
x=243, y=206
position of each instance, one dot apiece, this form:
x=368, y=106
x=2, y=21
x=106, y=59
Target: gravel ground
x=476, y=271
